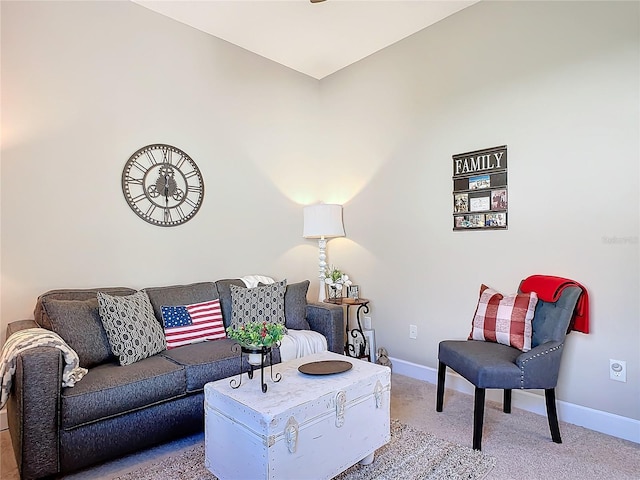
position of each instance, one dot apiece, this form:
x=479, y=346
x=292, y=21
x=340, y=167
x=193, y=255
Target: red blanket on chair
x=549, y=289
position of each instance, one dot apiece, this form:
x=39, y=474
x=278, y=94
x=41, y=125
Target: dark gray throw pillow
x=259, y=304
x=78, y=323
x=180, y=295
x=132, y=329
x=295, y=306
x=224, y=294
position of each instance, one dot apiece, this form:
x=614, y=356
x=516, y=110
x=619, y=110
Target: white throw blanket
x=252, y=281
x=31, y=338
x=300, y=343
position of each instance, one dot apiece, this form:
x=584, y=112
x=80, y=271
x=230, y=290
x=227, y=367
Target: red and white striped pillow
x=504, y=319
x=187, y=324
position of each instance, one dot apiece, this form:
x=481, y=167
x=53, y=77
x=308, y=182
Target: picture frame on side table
x=353, y=291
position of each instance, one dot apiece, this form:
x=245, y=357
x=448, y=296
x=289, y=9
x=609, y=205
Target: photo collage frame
x=480, y=196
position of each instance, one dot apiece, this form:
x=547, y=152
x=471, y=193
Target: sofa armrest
x=328, y=320
x=33, y=408
x=14, y=327
x=540, y=366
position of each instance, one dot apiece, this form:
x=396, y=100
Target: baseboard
x=604, y=422
x=3, y=419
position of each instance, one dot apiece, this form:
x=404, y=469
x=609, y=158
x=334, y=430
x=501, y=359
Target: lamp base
x=322, y=294
x=322, y=267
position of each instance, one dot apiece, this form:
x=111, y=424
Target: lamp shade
x=323, y=220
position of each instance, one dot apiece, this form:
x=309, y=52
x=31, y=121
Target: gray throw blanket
x=32, y=338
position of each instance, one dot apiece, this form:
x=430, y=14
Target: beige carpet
x=410, y=455
x=520, y=442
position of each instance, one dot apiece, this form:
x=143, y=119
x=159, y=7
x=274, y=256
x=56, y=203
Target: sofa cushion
x=78, y=323
x=295, y=306
x=504, y=319
x=180, y=295
x=209, y=361
x=110, y=389
x=259, y=304
x=224, y=293
x=186, y=324
x=133, y=331
x=40, y=314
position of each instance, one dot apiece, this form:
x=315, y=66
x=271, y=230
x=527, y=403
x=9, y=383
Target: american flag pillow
x=187, y=324
x=504, y=319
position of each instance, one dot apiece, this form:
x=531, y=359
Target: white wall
x=557, y=82
x=84, y=85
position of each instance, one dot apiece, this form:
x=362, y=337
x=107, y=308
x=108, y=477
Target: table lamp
x=322, y=221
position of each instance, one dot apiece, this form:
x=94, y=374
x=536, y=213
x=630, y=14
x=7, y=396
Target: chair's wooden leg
x=478, y=418
x=552, y=414
x=506, y=403
x=442, y=370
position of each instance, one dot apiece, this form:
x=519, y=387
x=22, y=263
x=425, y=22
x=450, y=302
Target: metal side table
x=362, y=305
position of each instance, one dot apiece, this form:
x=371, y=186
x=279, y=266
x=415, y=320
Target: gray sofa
x=115, y=410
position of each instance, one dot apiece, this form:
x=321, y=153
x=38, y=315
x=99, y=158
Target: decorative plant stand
x=362, y=305
x=255, y=357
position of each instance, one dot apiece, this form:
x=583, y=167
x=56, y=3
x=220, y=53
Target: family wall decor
x=480, y=189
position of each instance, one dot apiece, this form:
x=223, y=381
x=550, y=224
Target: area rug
x=410, y=455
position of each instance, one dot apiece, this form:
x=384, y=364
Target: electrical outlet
x=413, y=331
x=618, y=370
x=366, y=323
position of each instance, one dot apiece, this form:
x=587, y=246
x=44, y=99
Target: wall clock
x=163, y=185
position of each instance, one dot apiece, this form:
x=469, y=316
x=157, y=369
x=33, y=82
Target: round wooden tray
x=325, y=367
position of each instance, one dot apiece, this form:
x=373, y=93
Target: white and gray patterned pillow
x=259, y=304
x=132, y=329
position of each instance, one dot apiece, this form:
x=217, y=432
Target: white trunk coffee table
x=303, y=427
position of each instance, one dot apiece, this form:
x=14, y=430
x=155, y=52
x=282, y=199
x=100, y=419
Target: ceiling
x=316, y=39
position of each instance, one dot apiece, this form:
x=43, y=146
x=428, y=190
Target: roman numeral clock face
x=163, y=185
